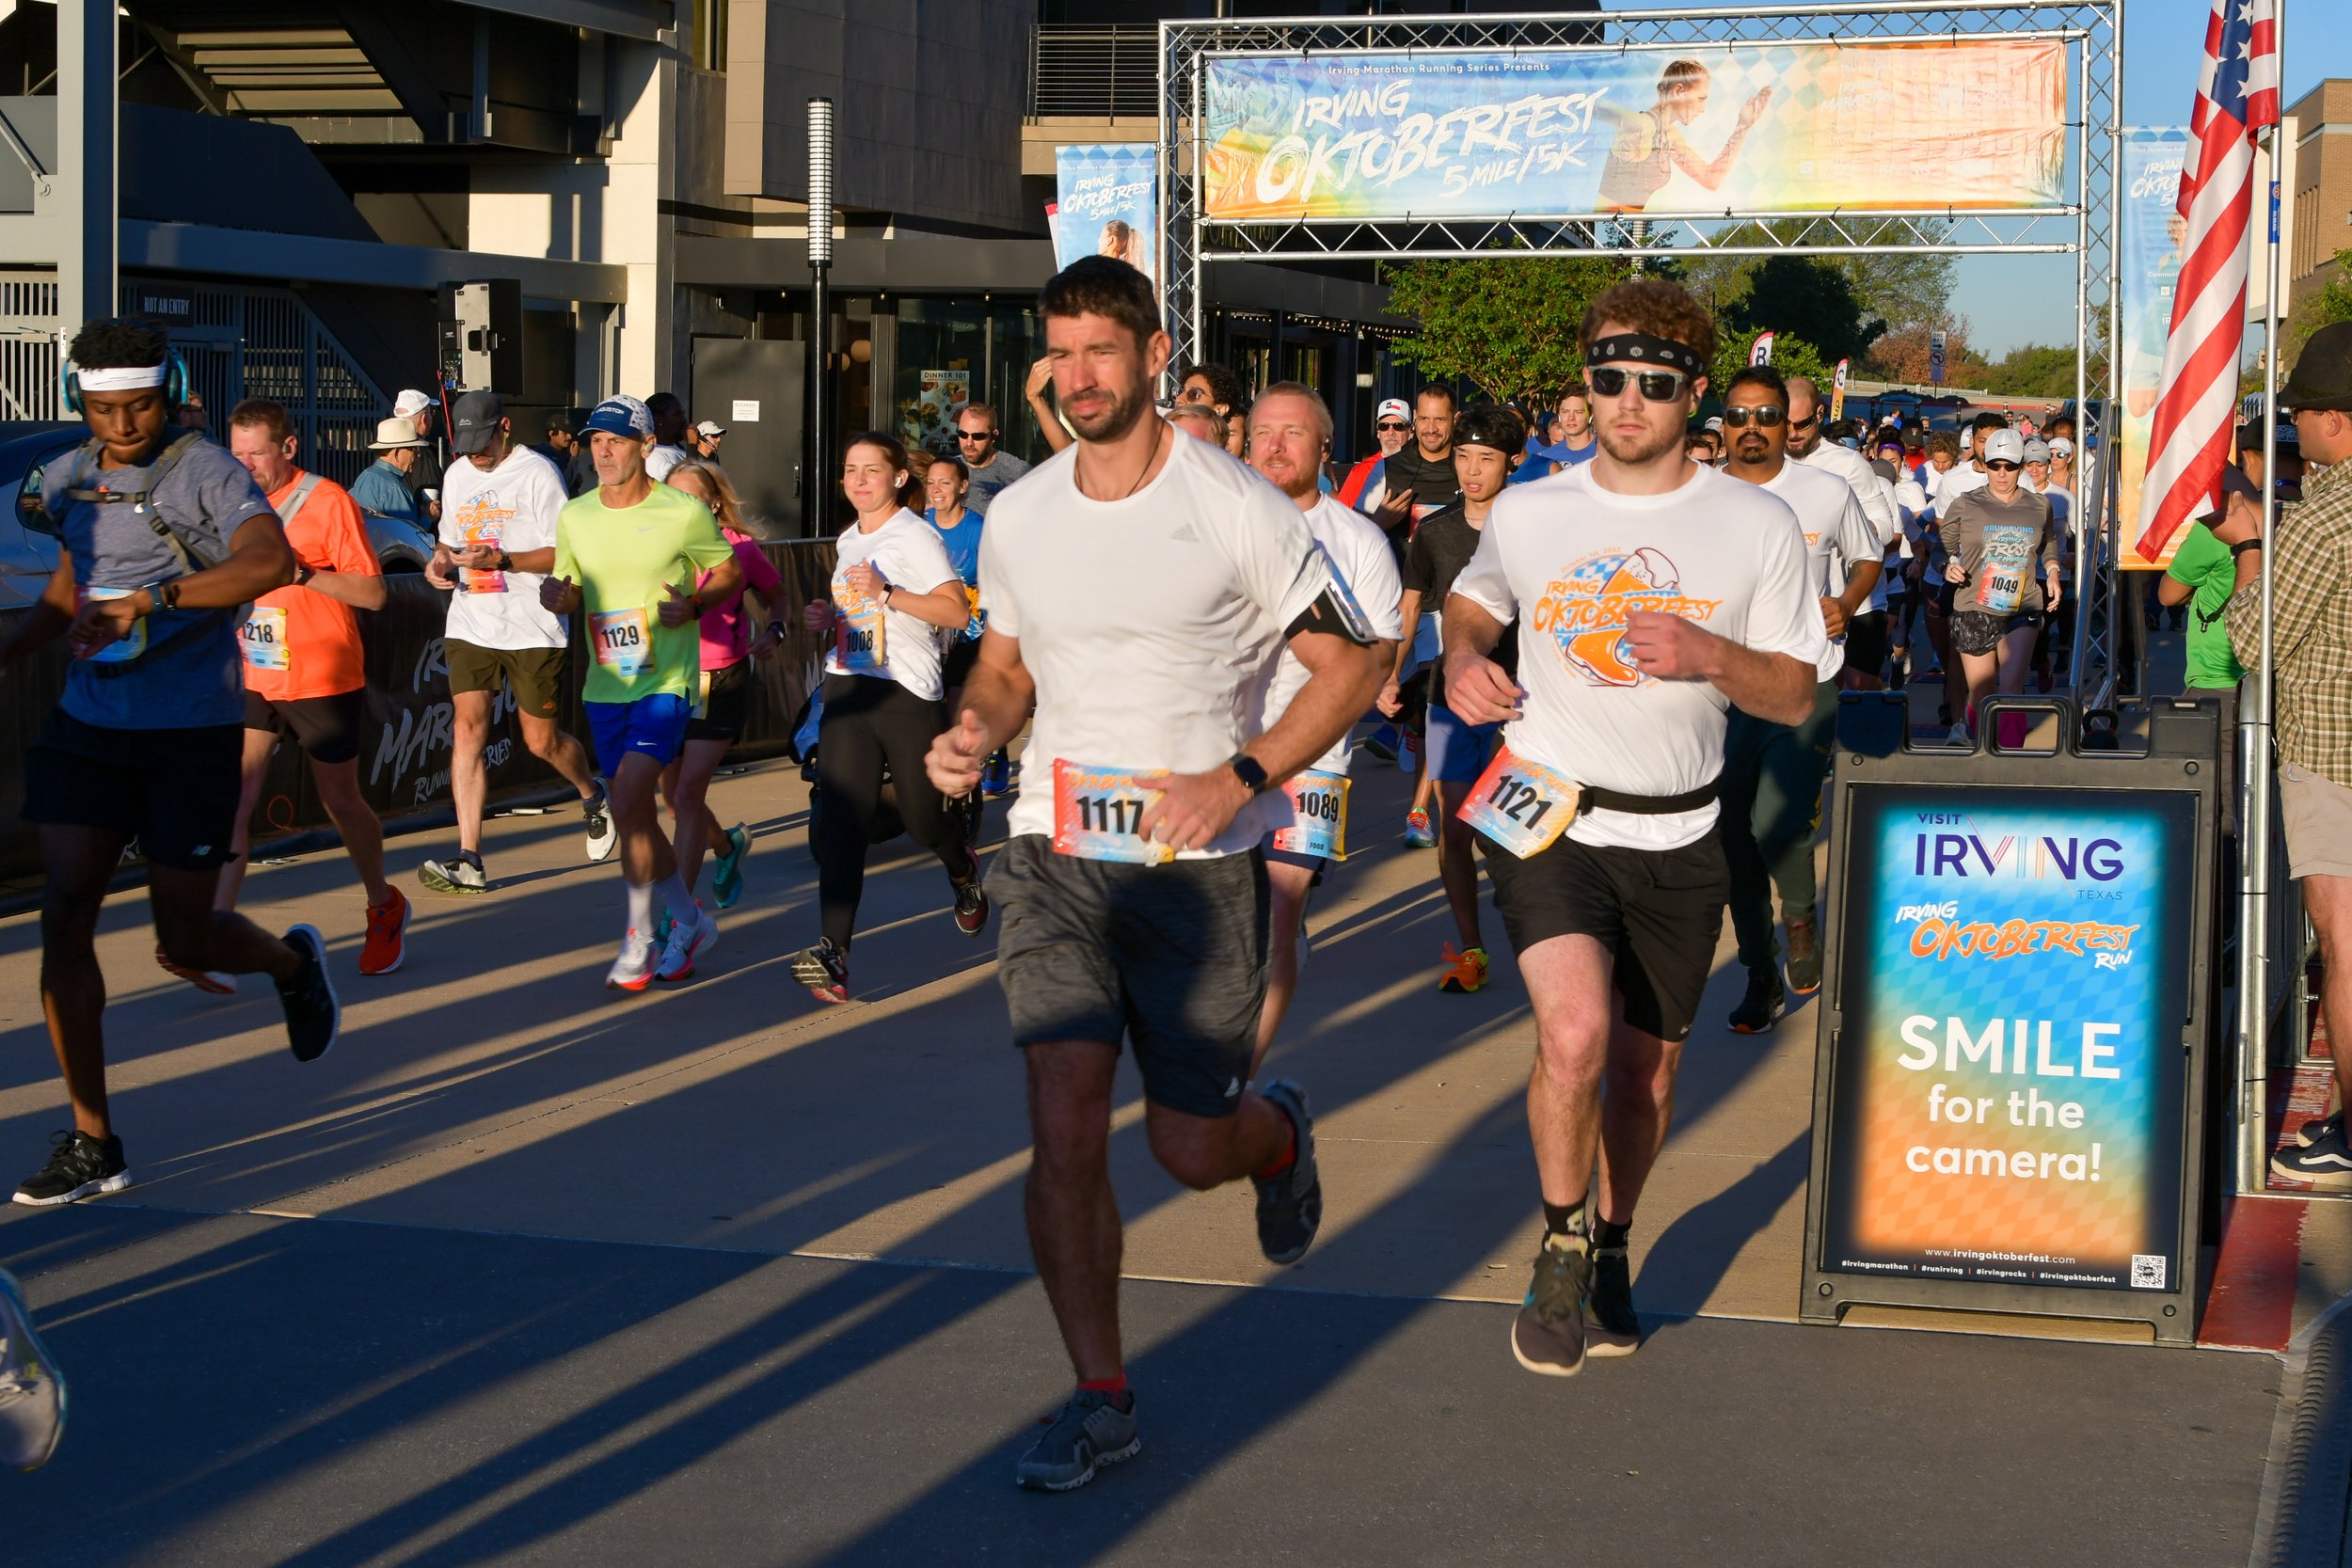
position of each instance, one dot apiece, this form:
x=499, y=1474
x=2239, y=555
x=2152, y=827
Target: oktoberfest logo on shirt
x=1586, y=607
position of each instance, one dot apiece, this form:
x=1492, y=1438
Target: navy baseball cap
x=620, y=416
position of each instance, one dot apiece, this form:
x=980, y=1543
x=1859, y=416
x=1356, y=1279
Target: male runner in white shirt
x=1653, y=595
x=1138, y=588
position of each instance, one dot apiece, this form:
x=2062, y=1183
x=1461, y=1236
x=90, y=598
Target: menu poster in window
x=930, y=419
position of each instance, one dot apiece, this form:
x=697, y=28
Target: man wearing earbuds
x=164, y=541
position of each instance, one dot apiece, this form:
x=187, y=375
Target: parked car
x=28, y=556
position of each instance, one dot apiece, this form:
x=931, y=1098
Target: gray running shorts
x=1172, y=958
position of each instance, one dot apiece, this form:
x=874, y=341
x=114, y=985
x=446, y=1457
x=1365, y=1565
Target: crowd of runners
x=1607, y=643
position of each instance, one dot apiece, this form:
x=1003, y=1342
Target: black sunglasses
x=1768, y=415
x=1805, y=424
x=1655, y=386
x=976, y=434
x=1999, y=466
x=1392, y=424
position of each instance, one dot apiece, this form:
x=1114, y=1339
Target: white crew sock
x=679, y=902
x=641, y=909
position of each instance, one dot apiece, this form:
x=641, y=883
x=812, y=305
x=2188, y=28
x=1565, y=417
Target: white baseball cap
x=1397, y=406
x=2004, y=446
x=709, y=428
x=409, y=403
x=2061, y=447
x=2037, y=450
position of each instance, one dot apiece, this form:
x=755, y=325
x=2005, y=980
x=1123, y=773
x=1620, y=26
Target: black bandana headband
x=1641, y=347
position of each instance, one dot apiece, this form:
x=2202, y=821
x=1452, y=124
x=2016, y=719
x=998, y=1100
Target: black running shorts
x=1865, y=643
x=726, y=694
x=962, y=657
x=175, y=791
x=1171, y=956
x=326, y=728
x=1659, y=911
x=1979, y=631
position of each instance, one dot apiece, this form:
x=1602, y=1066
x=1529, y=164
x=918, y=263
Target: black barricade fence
x=2009, y=1100
x=408, y=735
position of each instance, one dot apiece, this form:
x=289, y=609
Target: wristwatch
x=304, y=571
x=162, y=593
x=1249, y=771
x=882, y=595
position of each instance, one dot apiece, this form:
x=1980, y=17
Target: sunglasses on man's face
x=976, y=436
x=1806, y=424
x=1765, y=413
x=1388, y=426
x=1655, y=386
x=2000, y=466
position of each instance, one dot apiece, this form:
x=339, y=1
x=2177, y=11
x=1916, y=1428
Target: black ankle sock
x=1607, y=1234
x=1566, y=1220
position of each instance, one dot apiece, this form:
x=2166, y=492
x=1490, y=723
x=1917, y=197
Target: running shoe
x=1290, y=1203
x=1959, y=737
x=824, y=969
x=387, y=947
x=1380, y=743
x=1465, y=971
x=79, y=1166
x=1091, y=1432
x=1763, y=1005
x=32, y=1393
x=597, y=815
x=1612, y=1327
x=203, y=980
x=2326, y=1162
x=662, y=928
x=997, y=778
x=1418, y=834
x=687, y=940
x=1548, y=1335
x=1805, y=956
x=461, y=872
x=313, y=1016
x=633, y=970
x=2328, y=1126
x=971, y=901
x=727, y=877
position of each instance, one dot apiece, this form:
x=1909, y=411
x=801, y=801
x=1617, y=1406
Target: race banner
x=2150, y=262
x=1108, y=205
x=1837, y=393
x=1908, y=127
x=1760, y=350
x=2008, y=1090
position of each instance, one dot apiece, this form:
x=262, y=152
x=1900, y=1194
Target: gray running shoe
x=1290, y=1206
x=1091, y=1432
x=461, y=872
x=1612, y=1327
x=32, y=1394
x=1548, y=1335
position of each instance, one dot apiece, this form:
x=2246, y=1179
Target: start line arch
x=1981, y=127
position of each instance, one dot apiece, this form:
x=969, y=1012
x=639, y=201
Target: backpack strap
x=301, y=493
x=193, y=554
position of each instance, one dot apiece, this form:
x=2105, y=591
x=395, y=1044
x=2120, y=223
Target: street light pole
x=816, y=487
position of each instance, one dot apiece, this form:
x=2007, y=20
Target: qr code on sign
x=2147, y=1271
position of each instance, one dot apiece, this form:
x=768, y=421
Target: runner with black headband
x=165, y=538
x=1653, y=595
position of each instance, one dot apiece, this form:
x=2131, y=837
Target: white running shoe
x=689, y=940
x=602, y=832
x=634, y=968
x=1959, y=737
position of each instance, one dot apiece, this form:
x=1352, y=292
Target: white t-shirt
x=1945, y=488
x=514, y=506
x=906, y=550
x=1570, y=561
x=661, y=459
x=1150, y=624
x=1837, y=535
x=1878, y=505
x=1360, y=556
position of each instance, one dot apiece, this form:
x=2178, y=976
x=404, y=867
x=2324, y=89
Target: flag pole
x=2255, y=826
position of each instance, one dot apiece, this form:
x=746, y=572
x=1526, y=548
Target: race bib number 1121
x=1521, y=804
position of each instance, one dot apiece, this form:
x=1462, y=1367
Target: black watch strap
x=1249, y=771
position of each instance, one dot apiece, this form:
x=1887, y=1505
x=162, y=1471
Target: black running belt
x=1596, y=799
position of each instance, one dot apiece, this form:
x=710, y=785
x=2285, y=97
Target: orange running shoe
x=388, y=930
x=1464, y=972
x=203, y=980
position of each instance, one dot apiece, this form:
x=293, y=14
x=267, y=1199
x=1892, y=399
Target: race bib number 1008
x=1521, y=805
x=1098, y=816
x=857, y=632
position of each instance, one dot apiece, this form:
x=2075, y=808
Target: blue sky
x=2018, y=299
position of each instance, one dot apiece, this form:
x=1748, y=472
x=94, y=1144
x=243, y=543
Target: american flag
x=2189, y=440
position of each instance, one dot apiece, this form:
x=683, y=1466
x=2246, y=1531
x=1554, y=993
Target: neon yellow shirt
x=624, y=560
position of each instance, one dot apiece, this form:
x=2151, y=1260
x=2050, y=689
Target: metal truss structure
x=2085, y=225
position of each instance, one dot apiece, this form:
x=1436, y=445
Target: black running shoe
x=824, y=969
x=79, y=1166
x=1548, y=1335
x=1290, y=1206
x=312, y=1014
x=1612, y=1327
x=1091, y=1432
x=2320, y=1128
x=971, y=901
x=1761, y=1008
x=1805, y=956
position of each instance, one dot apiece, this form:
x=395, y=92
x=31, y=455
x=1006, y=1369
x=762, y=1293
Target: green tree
x=2332, y=304
x=1792, y=357
x=2033, y=370
x=1898, y=288
x=1511, y=324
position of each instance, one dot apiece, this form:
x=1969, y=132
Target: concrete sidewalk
x=528, y=1271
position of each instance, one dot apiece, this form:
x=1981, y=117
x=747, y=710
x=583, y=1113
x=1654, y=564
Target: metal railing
x=1094, y=73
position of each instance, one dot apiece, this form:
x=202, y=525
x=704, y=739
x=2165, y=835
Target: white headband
x=118, y=378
